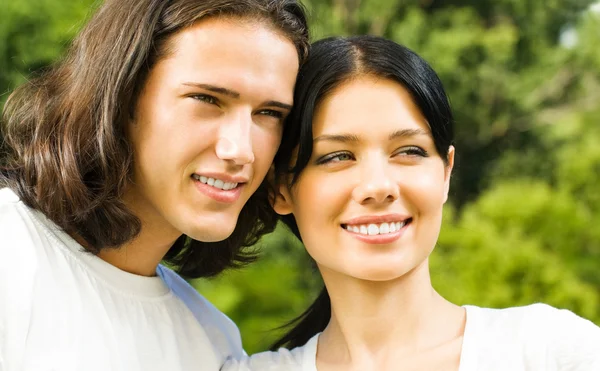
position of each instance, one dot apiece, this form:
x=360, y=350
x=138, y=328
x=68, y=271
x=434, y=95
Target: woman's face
x=208, y=123
x=369, y=202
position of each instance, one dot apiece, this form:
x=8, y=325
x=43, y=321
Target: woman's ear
x=282, y=200
x=279, y=195
x=448, y=172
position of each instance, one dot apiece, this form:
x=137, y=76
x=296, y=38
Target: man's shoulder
x=189, y=295
x=298, y=359
x=11, y=209
x=222, y=331
x=20, y=234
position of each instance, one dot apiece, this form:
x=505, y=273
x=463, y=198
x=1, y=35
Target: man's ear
x=282, y=202
x=448, y=172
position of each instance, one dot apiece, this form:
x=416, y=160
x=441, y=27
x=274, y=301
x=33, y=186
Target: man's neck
x=141, y=256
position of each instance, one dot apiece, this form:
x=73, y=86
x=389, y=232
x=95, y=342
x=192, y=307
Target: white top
x=533, y=338
x=68, y=310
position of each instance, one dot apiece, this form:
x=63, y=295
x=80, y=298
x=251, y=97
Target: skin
x=357, y=169
x=214, y=106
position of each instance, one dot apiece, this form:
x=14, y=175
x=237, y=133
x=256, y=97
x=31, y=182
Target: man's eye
x=205, y=98
x=273, y=113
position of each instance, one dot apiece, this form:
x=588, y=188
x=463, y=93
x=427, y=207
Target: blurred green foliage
x=34, y=34
x=522, y=224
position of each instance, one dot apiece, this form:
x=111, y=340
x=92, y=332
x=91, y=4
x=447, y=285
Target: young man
x=150, y=141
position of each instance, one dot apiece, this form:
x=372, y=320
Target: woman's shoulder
x=298, y=359
x=537, y=317
x=536, y=332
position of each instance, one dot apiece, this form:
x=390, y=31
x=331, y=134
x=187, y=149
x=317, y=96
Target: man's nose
x=234, y=143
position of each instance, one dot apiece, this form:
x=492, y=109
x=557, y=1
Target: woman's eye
x=335, y=157
x=412, y=151
x=205, y=98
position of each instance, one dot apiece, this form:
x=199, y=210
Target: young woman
x=364, y=171
x=149, y=141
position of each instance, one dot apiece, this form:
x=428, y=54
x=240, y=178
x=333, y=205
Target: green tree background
x=524, y=80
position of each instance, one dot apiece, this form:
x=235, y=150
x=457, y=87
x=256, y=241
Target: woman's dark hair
x=65, y=151
x=331, y=63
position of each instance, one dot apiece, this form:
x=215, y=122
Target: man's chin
x=216, y=234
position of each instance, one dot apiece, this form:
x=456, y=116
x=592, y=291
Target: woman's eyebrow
x=352, y=138
x=405, y=133
x=340, y=138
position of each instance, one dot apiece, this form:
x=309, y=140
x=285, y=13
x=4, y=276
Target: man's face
x=208, y=123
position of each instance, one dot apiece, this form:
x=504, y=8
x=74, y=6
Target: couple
x=151, y=142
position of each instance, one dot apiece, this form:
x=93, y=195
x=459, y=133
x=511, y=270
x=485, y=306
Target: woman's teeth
x=374, y=229
x=217, y=183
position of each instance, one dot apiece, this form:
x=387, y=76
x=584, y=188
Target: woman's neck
x=374, y=322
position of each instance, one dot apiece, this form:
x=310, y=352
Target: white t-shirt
x=68, y=310
x=532, y=338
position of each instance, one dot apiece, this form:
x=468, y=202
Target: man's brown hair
x=65, y=151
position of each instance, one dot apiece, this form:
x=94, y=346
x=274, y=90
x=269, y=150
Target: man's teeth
x=217, y=183
x=373, y=229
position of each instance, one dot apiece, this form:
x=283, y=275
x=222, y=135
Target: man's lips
x=221, y=181
x=226, y=196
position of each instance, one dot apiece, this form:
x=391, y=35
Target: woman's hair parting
x=64, y=148
x=331, y=63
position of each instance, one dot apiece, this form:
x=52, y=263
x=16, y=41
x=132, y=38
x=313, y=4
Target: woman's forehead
x=367, y=105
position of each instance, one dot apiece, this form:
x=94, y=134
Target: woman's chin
x=382, y=271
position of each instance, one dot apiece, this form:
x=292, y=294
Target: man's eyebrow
x=235, y=94
x=406, y=133
x=274, y=103
x=341, y=138
x=214, y=89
